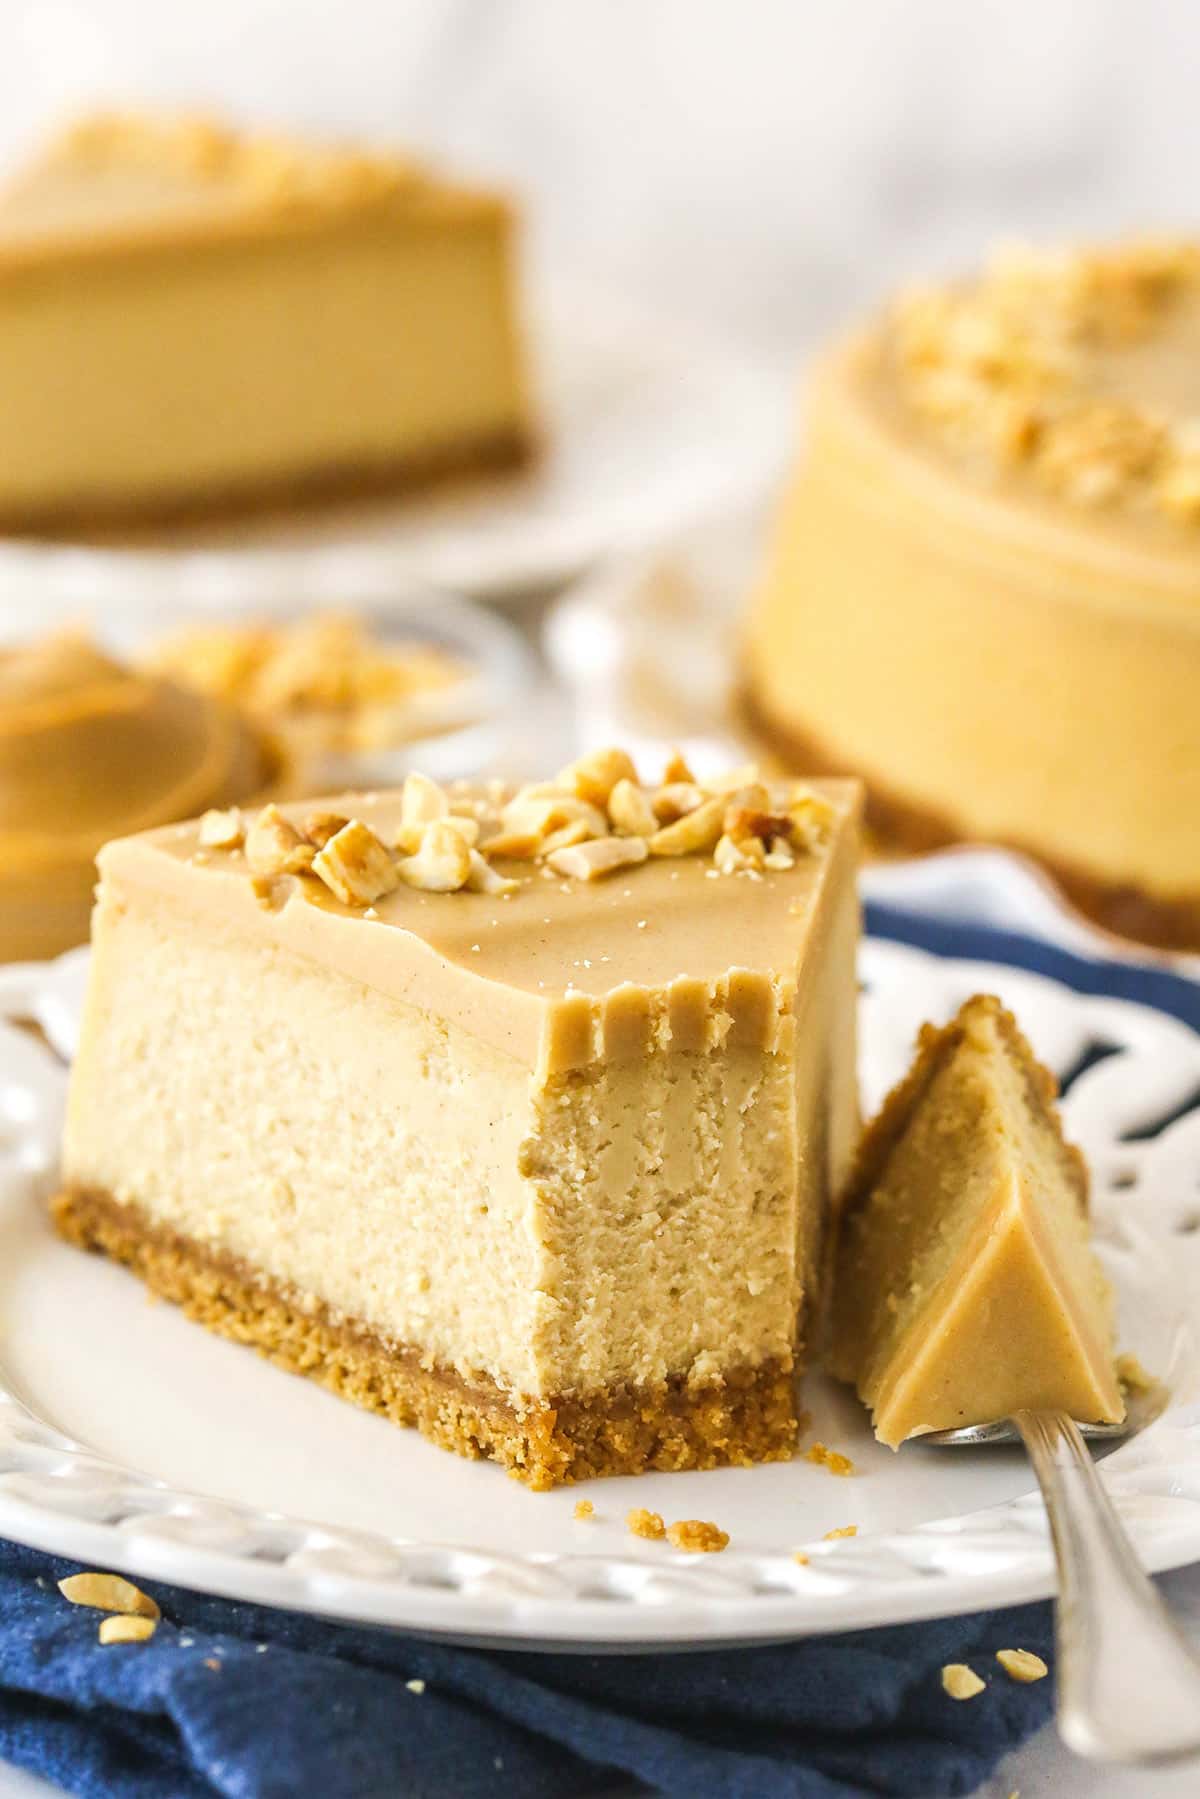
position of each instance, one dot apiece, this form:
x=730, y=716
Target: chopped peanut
x=356, y=866
x=108, y=1593
x=222, y=830
x=275, y=847
x=603, y=855
x=961, y=1682
x=442, y=864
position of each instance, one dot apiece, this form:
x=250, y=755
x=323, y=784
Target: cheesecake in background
x=983, y=594
x=195, y=319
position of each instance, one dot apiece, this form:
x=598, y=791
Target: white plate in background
x=132, y=1439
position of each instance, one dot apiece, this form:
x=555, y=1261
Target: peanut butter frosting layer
x=130, y=181
x=533, y=919
x=89, y=749
x=1073, y=374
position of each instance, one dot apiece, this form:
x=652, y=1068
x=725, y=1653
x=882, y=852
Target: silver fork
x=1128, y=1683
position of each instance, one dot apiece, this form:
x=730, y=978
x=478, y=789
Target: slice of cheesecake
x=516, y=1118
x=966, y=1285
x=194, y=319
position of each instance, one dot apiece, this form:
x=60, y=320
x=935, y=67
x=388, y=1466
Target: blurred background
x=762, y=170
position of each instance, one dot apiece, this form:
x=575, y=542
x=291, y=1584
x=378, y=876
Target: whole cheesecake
x=984, y=591
x=194, y=319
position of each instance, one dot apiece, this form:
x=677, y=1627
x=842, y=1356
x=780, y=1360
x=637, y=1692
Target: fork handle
x=1128, y=1683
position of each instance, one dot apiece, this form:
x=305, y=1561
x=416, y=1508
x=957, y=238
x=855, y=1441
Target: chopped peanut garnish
x=594, y=776
x=442, y=864
x=356, y=866
x=222, y=830
x=275, y=847
x=960, y=1681
x=603, y=855
x=108, y=1593
x=829, y=1458
x=123, y=1629
x=1022, y=1664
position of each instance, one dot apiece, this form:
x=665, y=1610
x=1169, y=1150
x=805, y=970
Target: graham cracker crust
x=501, y=452
x=749, y=1416
x=900, y=825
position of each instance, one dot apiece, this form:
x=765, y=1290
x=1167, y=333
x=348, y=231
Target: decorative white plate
x=131, y=1439
x=646, y=431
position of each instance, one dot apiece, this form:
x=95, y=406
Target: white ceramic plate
x=646, y=430
x=130, y=1438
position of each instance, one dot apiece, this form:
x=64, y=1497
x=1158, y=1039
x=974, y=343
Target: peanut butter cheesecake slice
x=197, y=319
x=514, y=1116
x=966, y=1285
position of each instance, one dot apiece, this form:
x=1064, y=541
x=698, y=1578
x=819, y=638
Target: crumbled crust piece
x=961, y=1682
x=1022, y=1664
x=356, y=866
x=1133, y=1377
x=222, y=829
x=601, y=856
x=645, y=1524
x=829, y=1458
x=584, y=1509
x=123, y=1629
x=275, y=847
x=697, y=1537
x=845, y=1530
x=108, y=1593
x=799, y=1557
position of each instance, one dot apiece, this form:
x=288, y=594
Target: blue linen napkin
x=247, y=1703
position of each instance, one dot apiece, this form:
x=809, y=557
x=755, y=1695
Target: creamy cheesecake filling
x=966, y=1285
